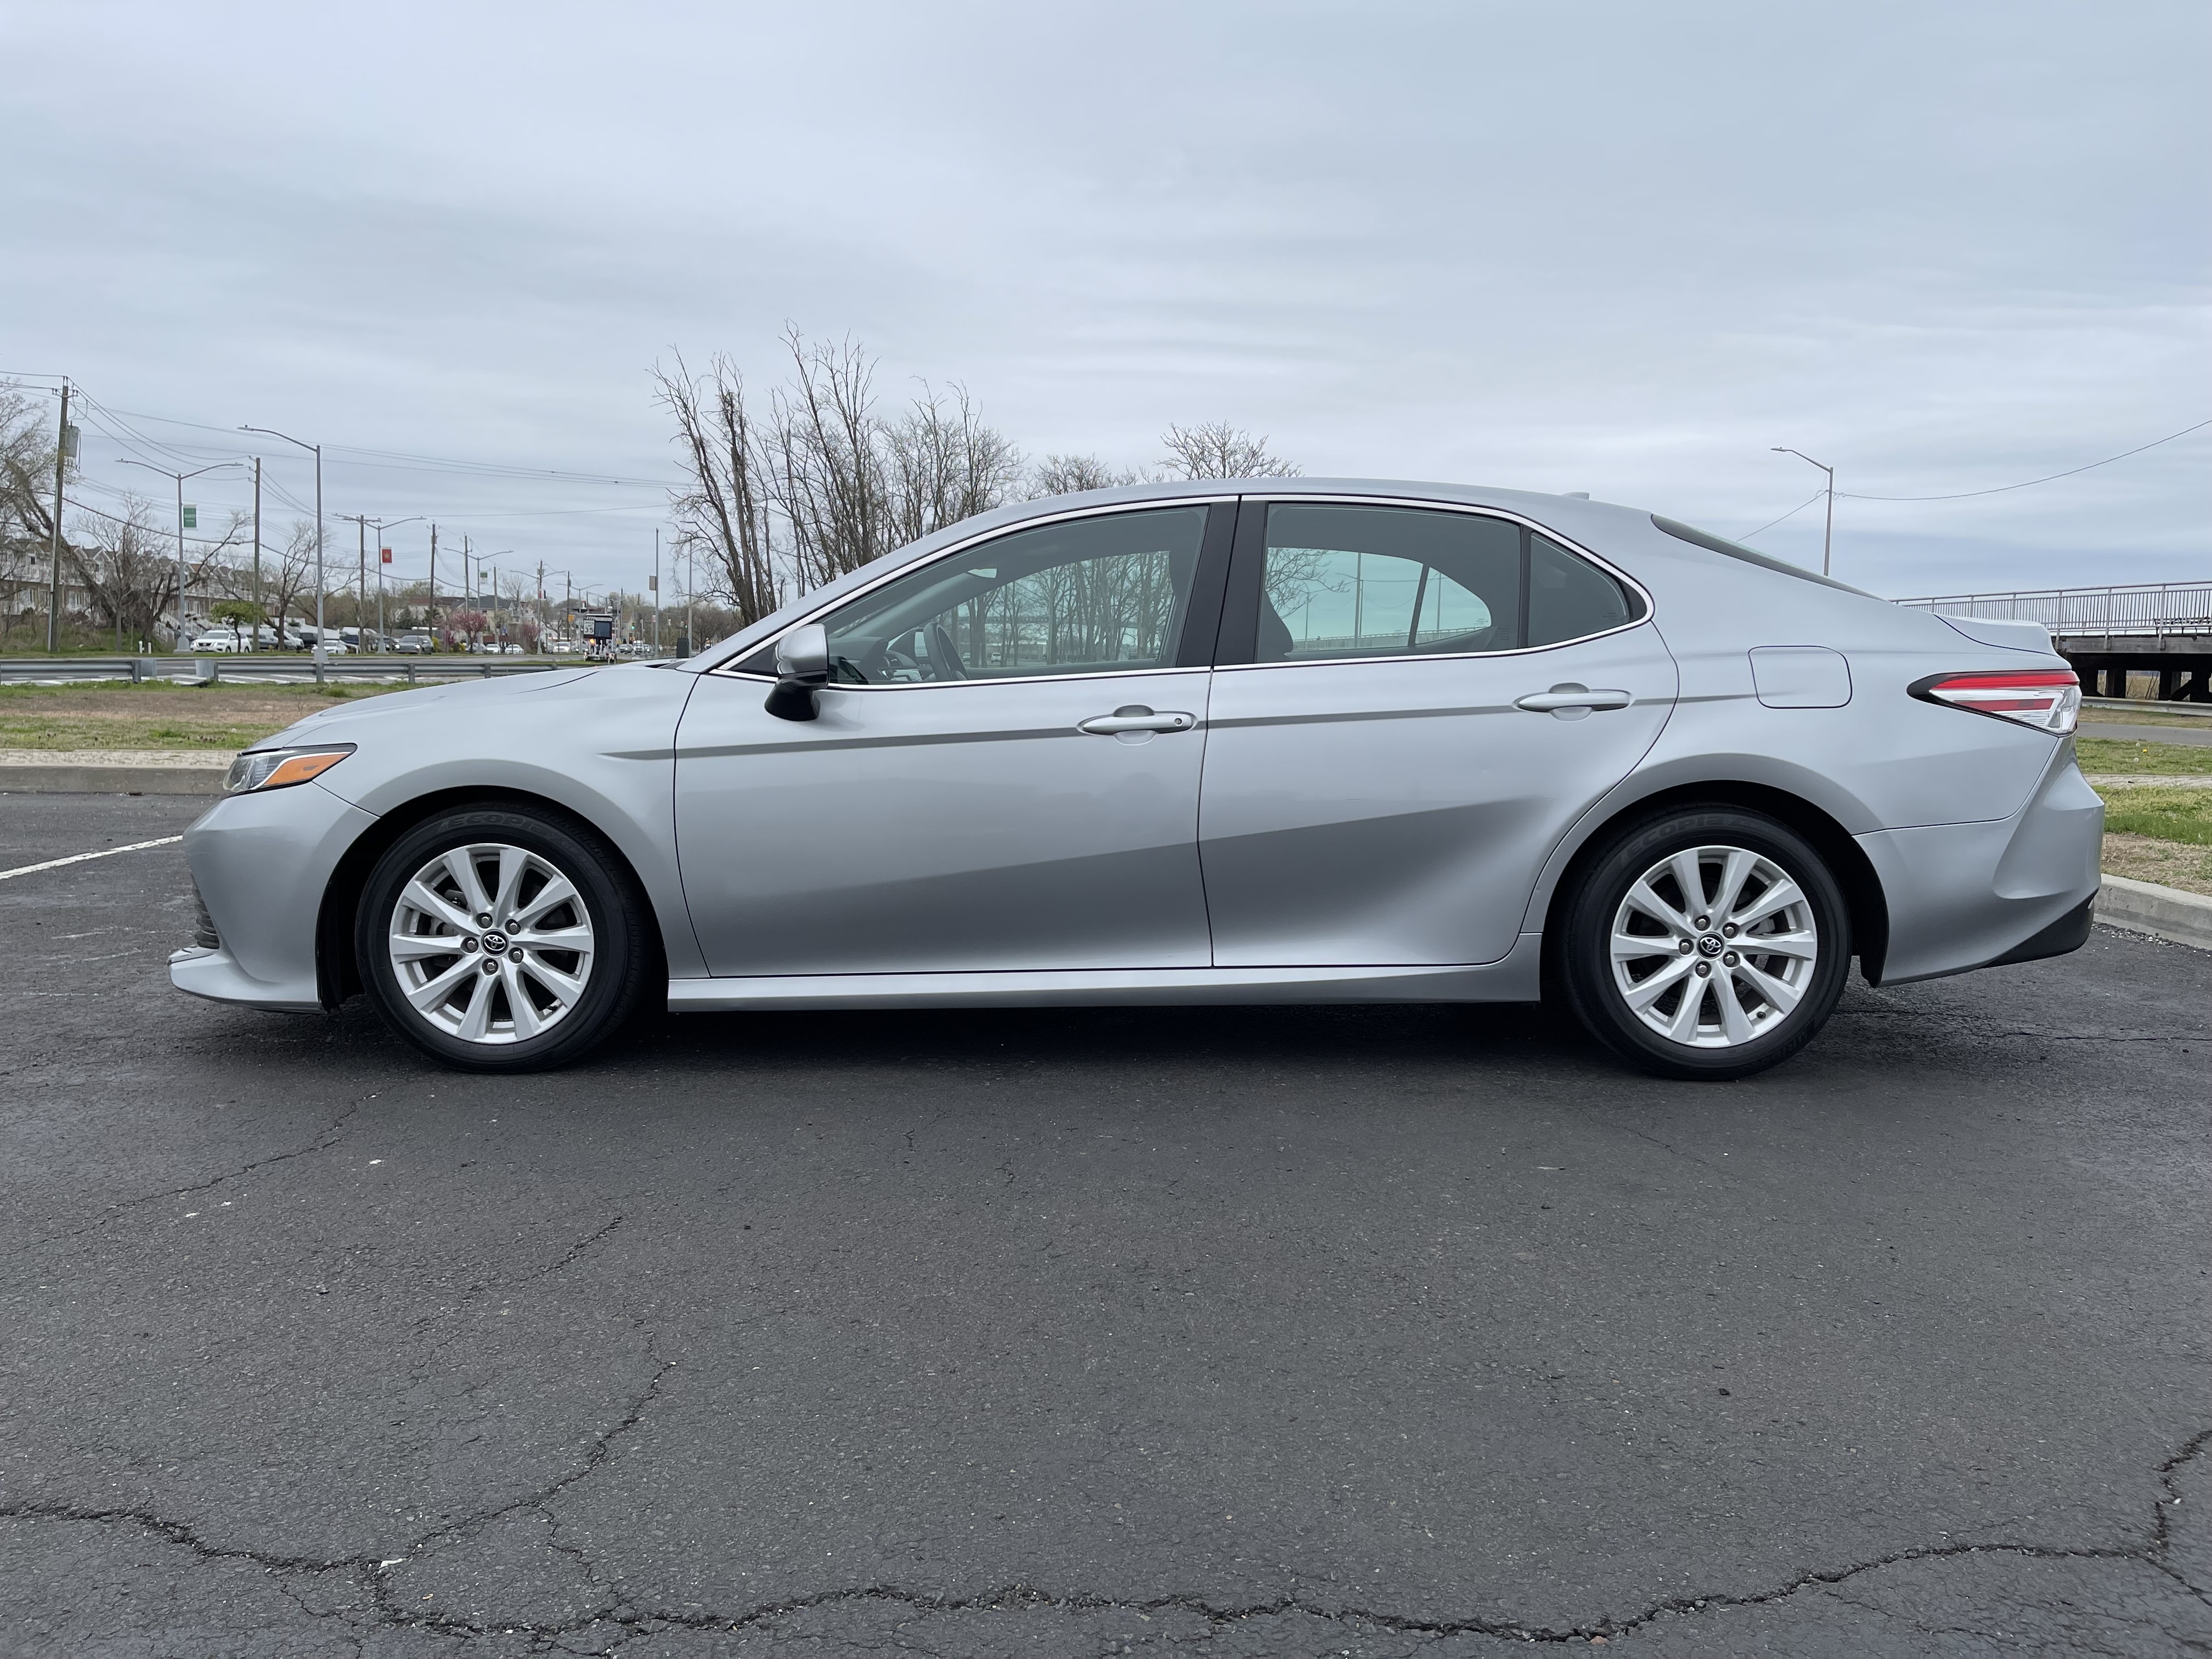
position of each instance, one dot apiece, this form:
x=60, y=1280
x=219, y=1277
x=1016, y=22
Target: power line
x=1791, y=513
x=113, y=518
x=2001, y=489
x=413, y=461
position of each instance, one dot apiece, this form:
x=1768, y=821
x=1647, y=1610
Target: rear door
x=1411, y=706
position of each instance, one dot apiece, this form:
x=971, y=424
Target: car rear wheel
x=1707, y=944
x=502, y=939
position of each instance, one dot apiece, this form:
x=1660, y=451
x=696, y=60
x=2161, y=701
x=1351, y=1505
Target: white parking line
x=79, y=858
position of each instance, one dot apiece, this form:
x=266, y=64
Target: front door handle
x=1571, y=702
x=1135, y=717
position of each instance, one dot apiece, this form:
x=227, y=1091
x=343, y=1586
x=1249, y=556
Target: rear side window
x=1347, y=581
x=1386, y=581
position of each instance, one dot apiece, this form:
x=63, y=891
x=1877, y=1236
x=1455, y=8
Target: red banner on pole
x=384, y=553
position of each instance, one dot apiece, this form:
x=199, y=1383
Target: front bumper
x=262, y=862
x=1966, y=896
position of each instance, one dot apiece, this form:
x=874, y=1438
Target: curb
x=93, y=778
x=2167, y=913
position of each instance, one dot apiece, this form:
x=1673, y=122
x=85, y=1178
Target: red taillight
x=2048, y=699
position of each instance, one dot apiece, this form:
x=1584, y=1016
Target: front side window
x=1086, y=596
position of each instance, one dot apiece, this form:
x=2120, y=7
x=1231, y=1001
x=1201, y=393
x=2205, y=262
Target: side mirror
x=802, y=665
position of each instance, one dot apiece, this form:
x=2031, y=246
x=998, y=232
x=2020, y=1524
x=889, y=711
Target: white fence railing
x=261, y=669
x=2158, y=608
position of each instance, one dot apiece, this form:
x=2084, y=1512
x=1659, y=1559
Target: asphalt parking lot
x=1245, y=1332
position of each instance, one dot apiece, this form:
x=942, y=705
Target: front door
x=1379, y=788
x=1004, y=773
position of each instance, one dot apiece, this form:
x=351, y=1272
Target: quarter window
x=1086, y=596
x=1569, y=599
x=1386, y=581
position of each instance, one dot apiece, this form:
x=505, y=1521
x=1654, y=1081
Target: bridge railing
x=2138, y=608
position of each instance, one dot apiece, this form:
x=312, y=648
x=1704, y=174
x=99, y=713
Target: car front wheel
x=1707, y=944
x=502, y=939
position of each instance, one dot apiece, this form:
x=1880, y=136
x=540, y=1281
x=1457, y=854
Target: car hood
x=340, y=722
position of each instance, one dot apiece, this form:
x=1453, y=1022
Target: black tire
x=622, y=936
x=1587, y=970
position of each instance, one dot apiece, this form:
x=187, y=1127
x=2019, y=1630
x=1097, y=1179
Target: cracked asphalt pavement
x=1367, y=1332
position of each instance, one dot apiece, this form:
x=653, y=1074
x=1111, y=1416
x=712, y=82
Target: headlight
x=280, y=768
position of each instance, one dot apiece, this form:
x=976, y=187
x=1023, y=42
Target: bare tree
x=820, y=483
x=293, y=574
x=724, y=509
x=942, y=464
x=828, y=478
x=124, y=563
x=1218, y=450
x=128, y=565
x=27, y=520
x=1070, y=475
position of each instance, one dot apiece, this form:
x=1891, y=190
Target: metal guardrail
x=2157, y=609
x=252, y=668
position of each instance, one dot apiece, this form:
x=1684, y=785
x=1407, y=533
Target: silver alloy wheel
x=1714, y=946
x=491, y=944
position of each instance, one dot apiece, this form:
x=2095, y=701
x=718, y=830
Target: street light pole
x=54, y=536
x=382, y=525
x=256, y=553
x=1828, y=533
x=180, y=476
x=317, y=450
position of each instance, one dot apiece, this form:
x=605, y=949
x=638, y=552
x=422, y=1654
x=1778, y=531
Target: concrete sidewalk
x=113, y=771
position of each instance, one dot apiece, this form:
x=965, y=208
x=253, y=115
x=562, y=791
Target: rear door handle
x=1136, y=718
x=1571, y=696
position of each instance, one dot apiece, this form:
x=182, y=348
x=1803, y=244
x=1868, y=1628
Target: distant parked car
x=1257, y=740
x=411, y=645
x=513, y=651
x=208, y=644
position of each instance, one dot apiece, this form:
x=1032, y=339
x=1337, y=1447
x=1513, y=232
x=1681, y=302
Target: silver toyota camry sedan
x=1263, y=740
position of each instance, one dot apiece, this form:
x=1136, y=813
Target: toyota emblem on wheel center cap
x=1710, y=945
x=497, y=943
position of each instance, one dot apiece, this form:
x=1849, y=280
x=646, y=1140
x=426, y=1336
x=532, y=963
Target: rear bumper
x=1967, y=895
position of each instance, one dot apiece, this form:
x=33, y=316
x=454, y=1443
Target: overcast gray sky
x=1617, y=247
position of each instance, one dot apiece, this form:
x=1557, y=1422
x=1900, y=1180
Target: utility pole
x=656, y=590
x=256, y=553
x=433, y=618
x=1828, y=533
x=54, y=537
x=360, y=597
